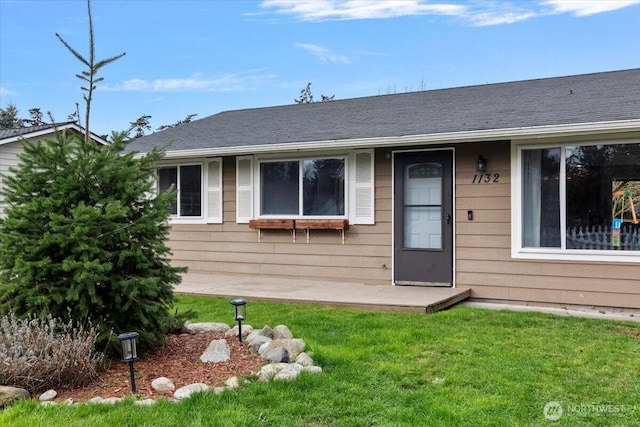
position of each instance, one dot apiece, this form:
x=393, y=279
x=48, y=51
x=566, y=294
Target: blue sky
x=204, y=57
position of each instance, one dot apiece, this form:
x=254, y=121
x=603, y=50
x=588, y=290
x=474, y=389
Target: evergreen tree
x=9, y=117
x=83, y=234
x=83, y=237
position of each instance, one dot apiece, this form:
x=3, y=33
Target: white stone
x=188, y=390
x=263, y=348
x=112, y=400
x=289, y=372
x=312, y=369
x=48, y=395
x=304, y=359
x=294, y=346
x=269, y=371
x=282, y=332
x=217, y=351
x=208, y=327
x=233, y=332
x=232, y=382
x=256, y=342
x=144, y=402
x=163, y=384
x=218, y=390
x=96, y=399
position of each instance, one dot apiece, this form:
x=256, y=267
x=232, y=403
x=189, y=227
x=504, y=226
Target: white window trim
x=177, y=219
x=271, y=159
x=558, y=254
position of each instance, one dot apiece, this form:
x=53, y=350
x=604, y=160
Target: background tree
x=140, y=126
x=9, y=117
x=306, y=97
x=187, y=119
x=83, y=236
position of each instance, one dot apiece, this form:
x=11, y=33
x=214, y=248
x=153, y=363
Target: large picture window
x=187, y=180
x=581, y=197
x=310, y=187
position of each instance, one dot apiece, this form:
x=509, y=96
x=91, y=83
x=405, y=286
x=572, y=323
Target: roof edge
x=52, y=129
x=439, y=138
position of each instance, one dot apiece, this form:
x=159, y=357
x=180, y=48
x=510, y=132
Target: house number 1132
x=485, y=178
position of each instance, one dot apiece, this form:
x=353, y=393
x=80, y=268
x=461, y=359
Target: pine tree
x=83, y=237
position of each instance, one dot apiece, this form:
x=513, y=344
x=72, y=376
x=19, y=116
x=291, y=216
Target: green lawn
x=461, y=367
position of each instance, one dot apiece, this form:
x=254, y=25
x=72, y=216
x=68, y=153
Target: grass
x=461, y=367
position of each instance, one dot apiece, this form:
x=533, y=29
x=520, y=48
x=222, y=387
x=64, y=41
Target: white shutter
x=362, y=191
x=214, y=191
x=244, y=189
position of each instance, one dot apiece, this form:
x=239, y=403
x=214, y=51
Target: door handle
x=448, y=218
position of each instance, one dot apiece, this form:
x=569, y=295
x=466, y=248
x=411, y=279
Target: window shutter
x=214, y=191
x=244, y=189
x=362, y=197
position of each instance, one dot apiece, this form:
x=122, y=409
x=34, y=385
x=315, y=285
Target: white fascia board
x=51, y=131
x=426, y=139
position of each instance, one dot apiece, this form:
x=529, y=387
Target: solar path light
x=240, y=306
x=129, y=353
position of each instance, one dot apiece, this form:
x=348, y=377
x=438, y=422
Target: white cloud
x=588, y=7
x=319, y=10
x=322, y=53
x=196, y=83
x=4, y=91
x=478, y=13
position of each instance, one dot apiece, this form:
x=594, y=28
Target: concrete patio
x=393, y=298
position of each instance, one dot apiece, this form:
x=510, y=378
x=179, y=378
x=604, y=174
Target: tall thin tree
x=93, y=66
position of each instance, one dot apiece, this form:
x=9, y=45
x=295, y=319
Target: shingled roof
x=581, y=99
x=10, y=135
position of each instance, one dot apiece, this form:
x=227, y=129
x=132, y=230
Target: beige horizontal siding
x=233, y=248
x=483, y=248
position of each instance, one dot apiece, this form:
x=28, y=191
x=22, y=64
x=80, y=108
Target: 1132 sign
x=485, y=178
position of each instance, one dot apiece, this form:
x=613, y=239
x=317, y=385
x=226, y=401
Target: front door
x=423, y=218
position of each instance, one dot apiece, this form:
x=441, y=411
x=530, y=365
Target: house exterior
x=10, y=144
x=524, y=191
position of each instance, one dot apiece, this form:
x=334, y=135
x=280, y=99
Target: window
x=580, y=198
x=187, y=180
x=331, y=186
x=311, y=187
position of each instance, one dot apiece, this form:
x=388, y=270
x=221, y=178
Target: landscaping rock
x=207, y=327
x=48, y=396
x=96, y=399
x=294, y=346
x=188, y=390
x=11, y=394
x=232, y=382
x=233, y=332
x=266, y=331
x=281, y=332
x=277, y=355
x=163, y=384
x=144, y=402
x=269, y=371
x=217, y=351
x=256, y=342
x=304, y=359
x=312, y=369
x=288, y=372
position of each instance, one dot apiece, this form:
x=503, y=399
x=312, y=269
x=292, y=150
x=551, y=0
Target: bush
x=84, y=237
x=40, y=354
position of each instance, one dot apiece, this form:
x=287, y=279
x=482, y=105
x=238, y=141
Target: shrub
x=40, y=354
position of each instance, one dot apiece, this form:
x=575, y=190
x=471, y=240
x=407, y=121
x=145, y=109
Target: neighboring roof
x=11, y=135
x=582, y=99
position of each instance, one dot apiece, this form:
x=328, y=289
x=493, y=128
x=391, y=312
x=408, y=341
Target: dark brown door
x=423, y=218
